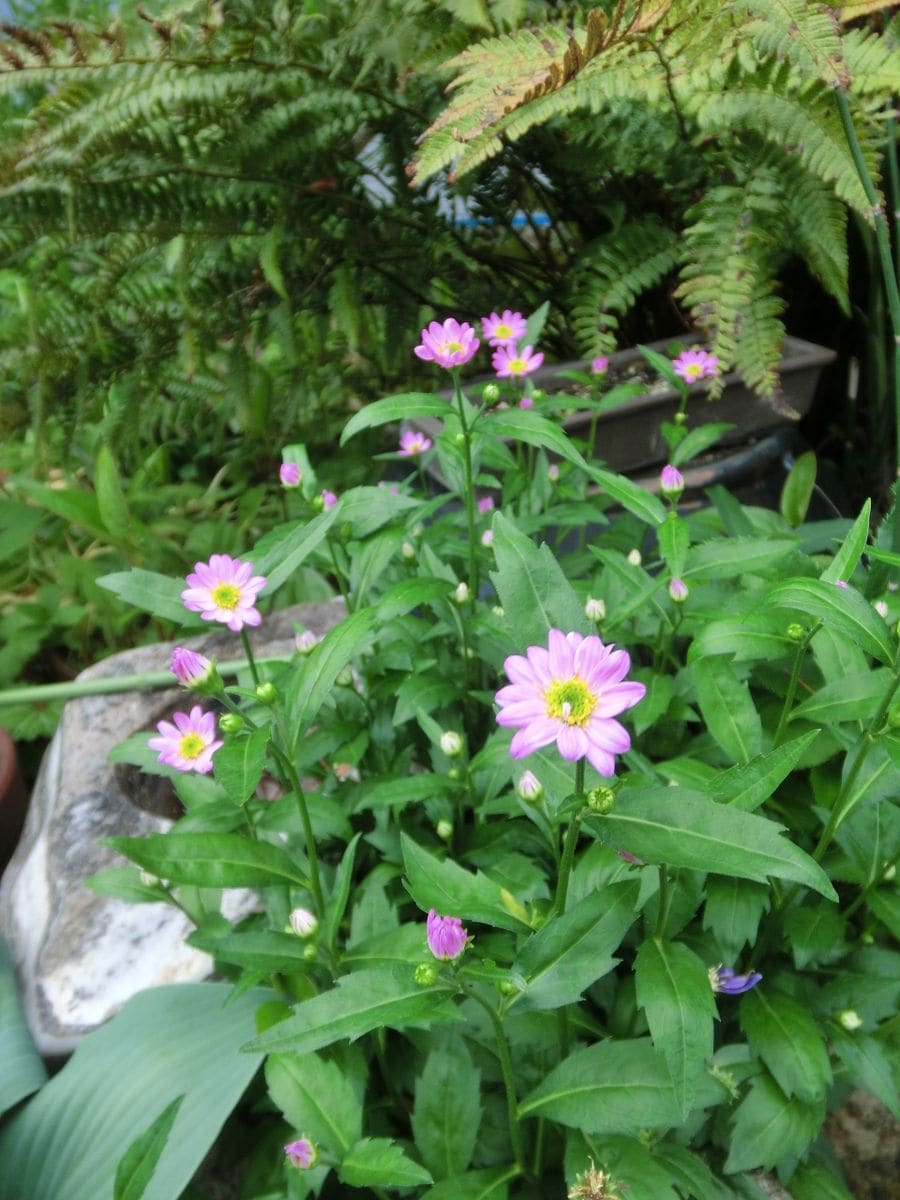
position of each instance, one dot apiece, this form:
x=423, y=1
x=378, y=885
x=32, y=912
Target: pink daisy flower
x=224, y=589
x=190, y=743
x=568, y=693
x=449, y=344
x=504, y=330
x=413, y=443
x=599, y=365
x=515, y=364
x=693, y=365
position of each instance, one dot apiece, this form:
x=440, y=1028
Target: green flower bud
x=680, y=418
x=460, y=439
x=444, y=830
x=266, y=693
x=231, y=722
x=310, y=952
x=453, y=773
x=491, y=393
x=506, y=987
x=425, y=974
x=601, y=800
x=850, y=1020
x=795, y=631
x=451, y=743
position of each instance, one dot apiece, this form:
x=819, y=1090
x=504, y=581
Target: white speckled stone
x=80, y=956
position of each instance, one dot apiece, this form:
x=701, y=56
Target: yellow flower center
x=192, y=745
x=517, y=366
x=571, y=701
x=503, y=331
x=226, y=595
x=693, y=369
x=451, y=348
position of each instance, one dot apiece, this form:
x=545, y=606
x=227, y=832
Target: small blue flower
x=723, y=979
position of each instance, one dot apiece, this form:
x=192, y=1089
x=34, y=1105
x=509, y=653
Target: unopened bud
x=444, y=829
x=149, y=880
x=601, y=800
x=680, y=418
x=491, y=393
x=231, y=722
x=305, y=641
x=461, y=593
x=553, y=472
x=634, y=557
x=487, y=538
x=344, y=677
x=881, y=608
x=795, y=631
x=506, y=987
x=310, y=953
x=594, y=608
x=498, y=610
x=408, y=550
x=460, y=439
x=265, y=693
x=529, y=788
x=425, y=974
x=678, y=590
x=671, y=482
x=451, y=743
x=454, y=773
x=302, y=922
x=850, y=1020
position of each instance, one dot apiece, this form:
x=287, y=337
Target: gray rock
x=80, y=956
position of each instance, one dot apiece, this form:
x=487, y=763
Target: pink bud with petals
x=446, y=937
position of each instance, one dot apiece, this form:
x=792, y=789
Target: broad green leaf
x=534, y=592
x=151, y=592
x=165, y=1042
x=406, y=594
x=73, y=505
x=886, y=907
x=612, y=1086
x=788, y=1040
x=395, y=408
x=18, y=525
x=672, y=987
x=524, y=425
x=797, y=489
x=23, y=1071
x=490, y=1183
x=257, y=949
x=816, y=933
x=388, y=793
x=631, y=1167
x=770, y=1128
x=697, y=440
x=239, y=764
x=756, y=636
x=110, y=497
x=638, y=585
x=123, y=883
x=358, y=1003
x=691, y=1174
x=638, y=501
x=685, y=829
x=447, y=1112
x=316, y=1098
x=534, y=326
x=452, y=890
x=674, y=543
x=574, y=950
x=750, y=785
x=733, y=910
x=853, y=698
x=366, y=509
x=814, y=1181
x=727, y=708
x=662, y=365
x=210, y=859
x=845, y=561
x=312, y=683
x=844, y=609
x=380, y=1163
x=723, y=559
x=340, y=893
x=138, y=1163
x=867, y=1065
x=279, y=553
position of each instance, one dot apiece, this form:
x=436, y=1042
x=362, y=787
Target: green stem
x=795, y=679
x=251, y=661
x=338, y=575
x=569, y=845
x=664, y=899
x=292, y=779
x=469, y=497
x=512, y=1103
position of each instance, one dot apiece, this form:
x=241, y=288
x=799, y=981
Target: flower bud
x=491, y=393
x=671, y=482
x=451, y=743
x=446, y=937
x=553, y=472
x=460, y=439
x=290, y=475
x=795, y=631
x=498, y=610
x=506, y=987
x=149, y=880
x=329, y=499
x=454, y=773
x=485, y=504
x=599, y=365
x=305, y=641
x=487, y=538
x=634, y=557
x=529, y=788
x=302, y=922
x=302, y=1154
x=601, y=800
x=408, y=551
x=881, y=608
x=526, y=402
x=344, y=677
x=425, y=974
x=193, y=670
x=850, y=1020
x=444, y=830
x=231, y=722
x=461, y=593
x=594, y=608
x=678, y=590
x=345, y=772
x=310, y=953
x=265, y=693
x=680, y=418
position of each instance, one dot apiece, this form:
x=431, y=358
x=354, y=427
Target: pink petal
x=560, y=655
x=572, y=742
x=616, y=697
x=602, y=762
x=534, y=736
x=608, y=735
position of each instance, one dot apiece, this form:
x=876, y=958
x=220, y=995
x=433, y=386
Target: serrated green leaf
x=388, y=793
x=756, y=636
x=638, y=501
x=845, y=561
x=723, y=559
x=151, y=592
x=280, y=552
x=692, y=1176
x=367, y=509
x=358, y=1003
x=257, y=949
x=447, y=1111
x=523, y=425
x=733, y=911
x=853, y=698
x=769, y=1128
x=534, y=592
x=686, y=829
x=672, y=986
x=340, y=892
x=750, y=785
x=697, y=440
x=674, y=543
x=239, y=764
x=138, y=1163
x=813, y=1181
x=727, y=708
x=816, y=934
x=123, y=883
x=490, y=1183
x=867, y=1065
x=788, y=1040
x=316, y=1098
x=379, y=1162
x=574, y=950
x=452, y=890
x=404, y=407
x=613, y=1086
x=844, y=609
x=210, y=859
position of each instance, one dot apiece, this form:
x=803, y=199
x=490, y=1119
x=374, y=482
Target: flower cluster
x=450, y=343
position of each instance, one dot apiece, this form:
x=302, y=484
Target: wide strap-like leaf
x=395, y=408
x=843, y=609
x=23, y=1072
x=534, y=592
x=210, y=859
x=451, y=890
x=788, y=1040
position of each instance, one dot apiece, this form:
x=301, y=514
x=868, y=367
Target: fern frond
x=817, y=227
x=803, y=33
x=873, y=62
x=613, y=272
x=758, y=350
